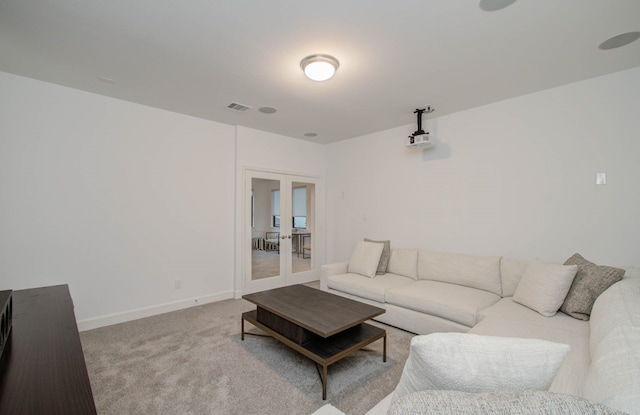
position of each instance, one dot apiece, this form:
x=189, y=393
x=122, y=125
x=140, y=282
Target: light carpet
x=193, y=362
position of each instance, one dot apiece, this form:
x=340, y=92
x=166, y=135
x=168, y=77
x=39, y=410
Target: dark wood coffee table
x=323, y=327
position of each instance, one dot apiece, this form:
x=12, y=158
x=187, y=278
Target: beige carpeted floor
x=267, y=264
x=193, y=362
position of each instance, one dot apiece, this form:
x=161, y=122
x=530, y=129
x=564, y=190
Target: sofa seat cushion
x=370, y=288
x=507, y=318
x=449, y=301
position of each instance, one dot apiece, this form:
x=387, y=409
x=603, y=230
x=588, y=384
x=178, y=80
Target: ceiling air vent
x=238, y=107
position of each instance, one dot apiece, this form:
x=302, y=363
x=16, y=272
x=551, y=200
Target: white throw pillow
x=543, y=287
x=364, y=259
x=473, y=363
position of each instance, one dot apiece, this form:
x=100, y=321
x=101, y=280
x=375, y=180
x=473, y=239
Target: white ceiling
x=197, y=56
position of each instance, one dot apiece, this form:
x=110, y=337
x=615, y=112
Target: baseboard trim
x=123, y=317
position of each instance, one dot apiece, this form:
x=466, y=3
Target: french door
x=281, y=230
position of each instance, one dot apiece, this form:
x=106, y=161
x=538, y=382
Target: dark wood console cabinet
x=43, y=371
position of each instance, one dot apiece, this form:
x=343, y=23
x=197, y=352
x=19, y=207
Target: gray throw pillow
x=520, y=403
x=384, y=258
x=590, y=281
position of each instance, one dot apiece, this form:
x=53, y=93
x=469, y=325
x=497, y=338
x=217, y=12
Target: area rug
x=193, y=361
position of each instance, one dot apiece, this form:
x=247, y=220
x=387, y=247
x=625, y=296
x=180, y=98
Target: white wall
x=118, y=200
x=263, y=150
x=514, y=178
x=115, y=199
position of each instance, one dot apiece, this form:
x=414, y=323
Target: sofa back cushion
x=511, y=271
x=631, y=271
x=614, y=374
x=481, y=272
x=404, y=262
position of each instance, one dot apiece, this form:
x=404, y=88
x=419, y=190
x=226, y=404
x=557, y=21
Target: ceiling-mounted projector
x=420, y=138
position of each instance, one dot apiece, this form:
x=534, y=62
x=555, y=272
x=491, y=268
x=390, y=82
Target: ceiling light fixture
x=319, y=67
x=619, y=40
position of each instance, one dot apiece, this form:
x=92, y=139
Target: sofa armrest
x=328, y=270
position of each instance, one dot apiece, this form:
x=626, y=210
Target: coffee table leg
x=324, y=382
x=242, y=323
x=384, y=347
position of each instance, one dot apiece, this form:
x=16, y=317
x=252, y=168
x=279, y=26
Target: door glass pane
x=265, y=232
x=302, y=222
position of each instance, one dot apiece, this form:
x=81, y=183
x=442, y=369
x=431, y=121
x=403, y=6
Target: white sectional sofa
x=426, y=292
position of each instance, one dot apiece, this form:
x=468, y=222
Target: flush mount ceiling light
x=619, y=40
x=319, y=67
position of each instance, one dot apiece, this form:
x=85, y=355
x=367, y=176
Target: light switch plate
x=601, y=178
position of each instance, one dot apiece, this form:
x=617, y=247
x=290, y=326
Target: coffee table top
x=317, y=311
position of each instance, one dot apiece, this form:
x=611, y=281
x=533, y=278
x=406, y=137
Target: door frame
x=244, y=284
